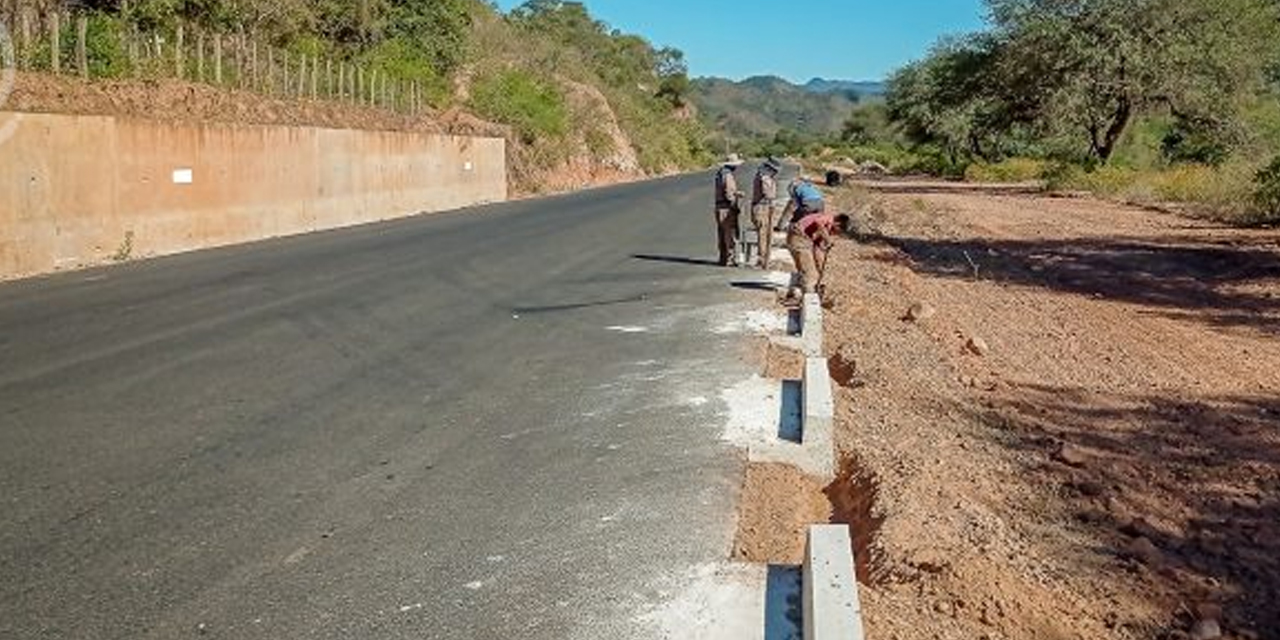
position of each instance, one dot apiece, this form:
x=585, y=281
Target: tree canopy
x=1076, y=74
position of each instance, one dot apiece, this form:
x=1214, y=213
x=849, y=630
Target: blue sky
x=795, y=39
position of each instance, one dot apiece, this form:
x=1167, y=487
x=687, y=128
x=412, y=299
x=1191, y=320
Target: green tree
x=1093, y=66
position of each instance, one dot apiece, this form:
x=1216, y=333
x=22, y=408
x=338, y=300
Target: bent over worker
x=728, y=210
x=805, y=200
x=763, y=212
x=809, y=240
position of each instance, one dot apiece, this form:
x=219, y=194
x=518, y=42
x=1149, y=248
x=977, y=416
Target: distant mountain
x=759, y=107
x=867, y=89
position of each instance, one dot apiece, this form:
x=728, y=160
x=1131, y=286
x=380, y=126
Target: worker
x=810, y=240
x=806, y=200
x=728, y=210
x=763, y=212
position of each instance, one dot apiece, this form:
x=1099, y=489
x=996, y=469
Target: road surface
x=497, y=423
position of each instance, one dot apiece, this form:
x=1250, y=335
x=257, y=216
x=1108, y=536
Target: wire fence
x=97, y=46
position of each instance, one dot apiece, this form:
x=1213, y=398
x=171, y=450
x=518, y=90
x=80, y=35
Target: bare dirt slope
x=1078, y=436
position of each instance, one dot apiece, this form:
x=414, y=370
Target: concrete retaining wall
x=82, y=190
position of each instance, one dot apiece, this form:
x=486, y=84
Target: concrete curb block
x=819, y=417
x=811, y=326
x=832, y=609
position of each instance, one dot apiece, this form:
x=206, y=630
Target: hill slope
x=861, y=88
x=760, y=107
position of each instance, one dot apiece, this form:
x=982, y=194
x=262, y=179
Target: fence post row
x=148, y=53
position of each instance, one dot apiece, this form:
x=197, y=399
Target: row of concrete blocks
x=832, y=609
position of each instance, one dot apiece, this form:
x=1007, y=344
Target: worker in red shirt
x=809, y=239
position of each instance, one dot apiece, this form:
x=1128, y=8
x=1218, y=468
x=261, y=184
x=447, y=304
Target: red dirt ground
x=1110, y=468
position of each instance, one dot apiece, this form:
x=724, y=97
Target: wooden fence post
x=302, y=75
x=24, y=58
x=315, y=77
x=82, y=46
x=179, y=56
x=284, y=73
x=342, y=80
x=55, y=51
x=242, y=59
x=217, y=59
x=200, y=55
x=328, y=77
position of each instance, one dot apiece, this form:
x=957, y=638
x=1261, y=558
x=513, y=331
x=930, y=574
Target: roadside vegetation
x=1147, y=101
x=572, y=91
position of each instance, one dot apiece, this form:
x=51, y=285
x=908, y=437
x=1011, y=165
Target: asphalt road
x=495, y=423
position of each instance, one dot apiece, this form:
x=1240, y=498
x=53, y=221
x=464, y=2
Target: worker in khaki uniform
x=728, y=210
x=809, y=240
x=763, y=212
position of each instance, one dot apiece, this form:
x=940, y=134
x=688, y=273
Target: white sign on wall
x=184, y=176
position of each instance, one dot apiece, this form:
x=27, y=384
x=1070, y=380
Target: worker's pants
x=762, y=217
x=727, y=230
x=805, y=256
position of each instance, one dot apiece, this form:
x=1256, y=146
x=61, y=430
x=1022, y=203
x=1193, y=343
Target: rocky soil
x=1061, y=417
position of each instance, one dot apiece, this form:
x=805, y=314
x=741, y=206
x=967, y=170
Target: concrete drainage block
x=832, y=610
x=819, y=417
x=811, y=330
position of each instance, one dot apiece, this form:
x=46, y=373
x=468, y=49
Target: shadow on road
x=695, y=262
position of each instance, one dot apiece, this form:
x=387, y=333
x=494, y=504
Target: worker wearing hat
x=728, y=210
x=764, y=192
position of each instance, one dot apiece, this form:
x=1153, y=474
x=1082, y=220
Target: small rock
x=1146, y=552
x=1090, y=488
x=944, y=608
x=1138, y=528
x=1070, y=455
x=1209, y=611
x=977, y=346
x=920, y=311
x=1207, y=629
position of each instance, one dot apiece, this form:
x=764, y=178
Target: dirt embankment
x=1073, y=411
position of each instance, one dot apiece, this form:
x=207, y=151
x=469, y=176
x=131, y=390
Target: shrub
x=1011, y=170
x=1266, y=195
x=534, y=107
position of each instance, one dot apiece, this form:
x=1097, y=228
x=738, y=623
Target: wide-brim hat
x=773, y=164
x=734, y=160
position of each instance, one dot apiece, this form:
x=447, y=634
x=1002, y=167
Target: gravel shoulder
x=1068, y=412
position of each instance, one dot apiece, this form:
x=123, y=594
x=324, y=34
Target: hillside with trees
x=764, y=114
x=572, y=94
x=1145, y=100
